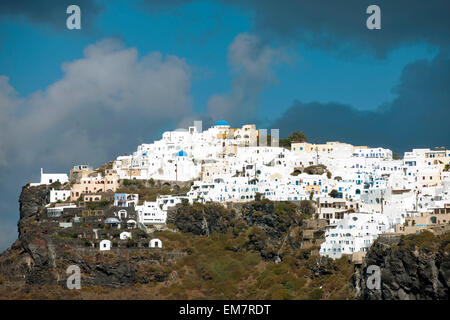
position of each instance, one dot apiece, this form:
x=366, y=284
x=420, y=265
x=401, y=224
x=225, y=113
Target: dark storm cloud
x=50, y=12
x=331, y=24
x=343, y=23
x=157, y=5
x=418, y=117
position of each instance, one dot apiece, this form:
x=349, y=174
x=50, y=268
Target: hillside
x=256, y=250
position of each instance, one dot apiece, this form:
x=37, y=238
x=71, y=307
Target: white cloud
x=252, y=62
x=8, y=100
x=106, y=103
x=108, y=96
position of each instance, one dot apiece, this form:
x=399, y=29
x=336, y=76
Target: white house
x=125, y=200
x=49, y=178
x=151, y=213
x=125, y=235
x=113, y=222
x=372, y=153
x=59, y=195
x=155, y=243
x=105, y=245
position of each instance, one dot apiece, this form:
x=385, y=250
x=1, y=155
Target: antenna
x=317, y=154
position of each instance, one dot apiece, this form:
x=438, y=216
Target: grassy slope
x=213, y=271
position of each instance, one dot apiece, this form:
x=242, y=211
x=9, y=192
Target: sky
x=140, y=67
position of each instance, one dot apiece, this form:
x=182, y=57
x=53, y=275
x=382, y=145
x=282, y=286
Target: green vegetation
x=236, y=260
x=86, y=242
x=316, y=169
x=307, y=207
x=258, y=196
x=425, y=240
x=132, y=182
x=218, y=267
x=102, y=169
x=131, y=243
x=64, y=235
x=98, y=204
x=396, y=156
x=251, y=251
x=294, y=137
x=333, y=193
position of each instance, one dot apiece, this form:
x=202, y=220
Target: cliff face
x=254, y=250
x=413, y=267
x=18, y=262
x=266, y=224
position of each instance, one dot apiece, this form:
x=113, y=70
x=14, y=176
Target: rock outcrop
x=413, y=267
x=201, y=219
x=266, y=226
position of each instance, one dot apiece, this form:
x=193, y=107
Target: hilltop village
x=356, y=193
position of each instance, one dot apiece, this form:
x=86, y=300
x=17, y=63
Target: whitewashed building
x=354, y=233
x=151, y=213
x=49, y=178
x=59, y=195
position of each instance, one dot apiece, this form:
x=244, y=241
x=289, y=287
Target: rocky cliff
x=253, y=250
x=413, y=267
x=41, y=255
x=267, y=224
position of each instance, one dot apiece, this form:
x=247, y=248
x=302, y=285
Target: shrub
x=316, y=294
x=296, y=136
x=422, y=240
x=307, y=207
